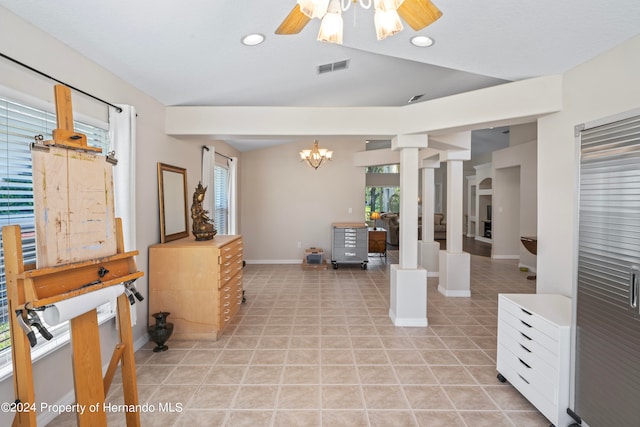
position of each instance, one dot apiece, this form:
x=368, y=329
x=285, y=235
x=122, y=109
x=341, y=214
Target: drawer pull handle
x=523, y=378
x=226, y=319
x=525, y=324
x=528, y=351
x=526, y=336
x=524, y=363
x=226, y=304
x=525, y=311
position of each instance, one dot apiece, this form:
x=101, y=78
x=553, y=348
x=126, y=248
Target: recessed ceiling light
x=422, y=41
x=252, y=39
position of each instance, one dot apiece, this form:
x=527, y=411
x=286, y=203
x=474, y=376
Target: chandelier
x=386, y=19
x=316, y=157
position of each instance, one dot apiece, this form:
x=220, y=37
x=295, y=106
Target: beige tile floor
x=318, y=349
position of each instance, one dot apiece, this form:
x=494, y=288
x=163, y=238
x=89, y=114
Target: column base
x=408, y=296
x=428, y=255
x=455, y=274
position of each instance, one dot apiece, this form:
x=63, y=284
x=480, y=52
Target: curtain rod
x=118, y=109
x=204, y=147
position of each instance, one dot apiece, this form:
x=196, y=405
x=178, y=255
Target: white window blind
x=19, y=124
x=221, y=198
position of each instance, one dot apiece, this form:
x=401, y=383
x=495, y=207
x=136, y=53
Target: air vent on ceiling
x=335, y=66
x=414, y=98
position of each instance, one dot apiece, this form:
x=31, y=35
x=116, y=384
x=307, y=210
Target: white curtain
x=233, y=195
x=122, y=138
x=208, y=163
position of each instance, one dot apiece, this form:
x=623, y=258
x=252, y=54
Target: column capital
x=450, y=155
x=409, y=141
x=430, y=164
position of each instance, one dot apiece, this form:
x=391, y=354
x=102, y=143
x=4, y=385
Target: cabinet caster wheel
x=335, y=265
x=363, y=266
x=501, y=378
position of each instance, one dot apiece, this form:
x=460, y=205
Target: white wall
x=523, y=157
x=506, y=213
x=285, y=201
x=604, y=86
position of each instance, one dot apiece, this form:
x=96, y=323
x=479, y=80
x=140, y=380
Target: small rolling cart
x=350, y=244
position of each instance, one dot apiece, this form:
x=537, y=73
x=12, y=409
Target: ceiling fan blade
x=294, y=22
x=419, y=13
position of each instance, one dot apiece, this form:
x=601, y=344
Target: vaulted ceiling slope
x=189, y=53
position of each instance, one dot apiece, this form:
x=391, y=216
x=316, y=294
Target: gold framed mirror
x=172, y=193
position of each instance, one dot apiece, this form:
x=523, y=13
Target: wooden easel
x=29, y=288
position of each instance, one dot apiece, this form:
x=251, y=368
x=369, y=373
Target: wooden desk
x=378, y=241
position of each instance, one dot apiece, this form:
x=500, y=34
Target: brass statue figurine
x=203, y=227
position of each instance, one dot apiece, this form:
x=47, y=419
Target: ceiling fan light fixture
x=422, y=41
x=314, y=8
x=331, y=27
x=388, y=4
x=387, y=23
x=252, y=39
x=418, y=14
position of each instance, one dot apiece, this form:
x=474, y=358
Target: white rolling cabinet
x=534, y=336
x=350, y=244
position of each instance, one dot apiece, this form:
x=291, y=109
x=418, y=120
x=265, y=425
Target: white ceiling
x=189, y=52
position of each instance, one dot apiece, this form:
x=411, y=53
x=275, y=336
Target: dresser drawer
x=527, y=330
x=518, y=338
x=230, y=300
x=231, y=251
x=349, y=254
x=530, y=319
x=531, y=355
x=526, y=384
x=528, y=371
x=229, y=270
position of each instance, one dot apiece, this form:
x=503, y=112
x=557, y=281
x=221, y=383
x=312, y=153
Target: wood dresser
x=378, y=241
x=198, y=282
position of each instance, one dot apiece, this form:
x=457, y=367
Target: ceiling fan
x=417, y=13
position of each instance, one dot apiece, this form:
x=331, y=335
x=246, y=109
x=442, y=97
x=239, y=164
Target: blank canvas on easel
x=74, y=209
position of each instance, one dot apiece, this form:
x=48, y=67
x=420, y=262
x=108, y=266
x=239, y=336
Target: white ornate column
x=428, y=248
x=408, y=296
x=455, y=265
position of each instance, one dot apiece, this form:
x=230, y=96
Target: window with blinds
x=19, y=124
x=221, y=198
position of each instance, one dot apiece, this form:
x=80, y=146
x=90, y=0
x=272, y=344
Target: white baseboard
x=273, y=261
x=505, y=256
x=407, y=322
x=458, y=294
x=483, y=239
